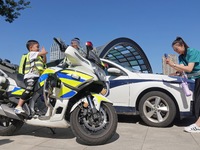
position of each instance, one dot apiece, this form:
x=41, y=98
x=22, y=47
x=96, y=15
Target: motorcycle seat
x=19, y=79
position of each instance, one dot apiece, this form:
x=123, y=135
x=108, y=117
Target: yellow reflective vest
x=22, y=64
x=36, y=64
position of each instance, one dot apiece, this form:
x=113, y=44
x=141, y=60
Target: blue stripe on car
x=115, y=83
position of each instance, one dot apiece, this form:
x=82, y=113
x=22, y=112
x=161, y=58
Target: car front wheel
x=157, y=109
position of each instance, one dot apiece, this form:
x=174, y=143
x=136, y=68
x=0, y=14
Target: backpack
x=22, y=64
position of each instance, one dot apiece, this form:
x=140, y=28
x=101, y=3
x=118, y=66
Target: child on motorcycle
x=34, y=66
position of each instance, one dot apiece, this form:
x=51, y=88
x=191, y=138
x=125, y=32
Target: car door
x=119, y=88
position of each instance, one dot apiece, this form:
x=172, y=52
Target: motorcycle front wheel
x=9, y=126
x=94, y=130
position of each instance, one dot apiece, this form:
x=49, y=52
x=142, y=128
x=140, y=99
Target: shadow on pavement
x=113, y=139
x=54, y=133
x=136, y=119
x=5, y=141
x=184, y=122
x=57, y=133
x=129, y=118
x=68, y=134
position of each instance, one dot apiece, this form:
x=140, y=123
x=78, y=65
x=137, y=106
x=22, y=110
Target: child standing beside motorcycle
x=34, y=66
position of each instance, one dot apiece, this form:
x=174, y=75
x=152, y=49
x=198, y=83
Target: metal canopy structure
x=126, y=52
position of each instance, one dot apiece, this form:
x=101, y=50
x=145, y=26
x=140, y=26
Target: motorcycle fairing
x=66, y=92
x=70, y=84
x=45, y=75
x=42, y=78
x=73, y=78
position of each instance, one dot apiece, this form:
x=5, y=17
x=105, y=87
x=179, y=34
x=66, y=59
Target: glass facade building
x=55, y=52
x=126, y=52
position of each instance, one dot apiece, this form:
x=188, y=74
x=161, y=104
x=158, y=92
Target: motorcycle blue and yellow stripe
x=69, y=78
x=66, y=92
x=45, y=75
x=73, y=78
x=17, y=91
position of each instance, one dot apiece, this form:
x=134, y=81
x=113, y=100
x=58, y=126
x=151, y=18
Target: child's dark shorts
x=30, y=84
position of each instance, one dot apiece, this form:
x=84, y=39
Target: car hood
x=162, y=77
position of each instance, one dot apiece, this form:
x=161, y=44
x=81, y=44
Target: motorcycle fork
x=93, y=108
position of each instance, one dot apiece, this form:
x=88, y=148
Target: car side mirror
x=114, y=71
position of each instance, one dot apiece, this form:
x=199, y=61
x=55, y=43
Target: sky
x=153, y=24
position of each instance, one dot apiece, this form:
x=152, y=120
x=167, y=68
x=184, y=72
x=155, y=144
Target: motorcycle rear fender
x=98, y=99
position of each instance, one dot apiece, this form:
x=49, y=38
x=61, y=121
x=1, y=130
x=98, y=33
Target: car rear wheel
x=157, y=109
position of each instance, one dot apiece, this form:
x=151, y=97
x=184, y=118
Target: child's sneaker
x=193, y=128
x=19, y=110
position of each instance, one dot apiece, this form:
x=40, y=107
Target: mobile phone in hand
x=166, y=55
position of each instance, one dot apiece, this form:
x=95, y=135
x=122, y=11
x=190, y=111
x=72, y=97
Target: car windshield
x=129, y=68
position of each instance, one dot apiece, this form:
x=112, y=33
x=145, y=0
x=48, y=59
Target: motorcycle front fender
x=98, y=99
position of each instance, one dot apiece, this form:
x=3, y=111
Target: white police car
x=158, y=99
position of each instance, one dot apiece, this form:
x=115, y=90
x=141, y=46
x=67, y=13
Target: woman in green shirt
x=189, y=62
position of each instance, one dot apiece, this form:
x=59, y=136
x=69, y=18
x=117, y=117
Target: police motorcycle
x=63, y=97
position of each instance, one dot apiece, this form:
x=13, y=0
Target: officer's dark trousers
x=196, y=97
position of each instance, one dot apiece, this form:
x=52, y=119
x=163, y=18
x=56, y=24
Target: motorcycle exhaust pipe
x=8, y=112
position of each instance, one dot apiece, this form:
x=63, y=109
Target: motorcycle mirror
x=61, y=44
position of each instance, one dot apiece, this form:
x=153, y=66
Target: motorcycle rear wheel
x=94, y=132
x=9, y=126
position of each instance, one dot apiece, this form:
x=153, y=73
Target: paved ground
x=131, y=134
